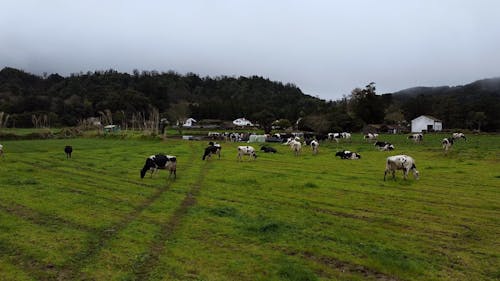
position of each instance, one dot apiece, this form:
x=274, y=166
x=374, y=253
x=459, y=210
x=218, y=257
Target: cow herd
x=393, y=163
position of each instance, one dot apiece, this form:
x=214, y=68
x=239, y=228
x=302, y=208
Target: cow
x=400, y=162
x=295, y=145
x=268, y=149
x=346, y=154
x=335, y=136
x=456, y=136
x=160, y=161
x=416, y=137
x=447, y=143
x=246, y=150
x=384, y=146
x=346, y=135
x=371, y=136
x=212, y=148
x=1, y=150
x=68, y=149
x=314, y=146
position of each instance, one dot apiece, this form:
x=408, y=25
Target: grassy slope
x=278, y=218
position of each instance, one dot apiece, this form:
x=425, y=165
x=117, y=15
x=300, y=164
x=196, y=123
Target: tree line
x=28, y=100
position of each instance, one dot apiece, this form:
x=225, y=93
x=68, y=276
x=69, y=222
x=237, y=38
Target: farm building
x=189, y=122
x=426, y=123
x=242, y=122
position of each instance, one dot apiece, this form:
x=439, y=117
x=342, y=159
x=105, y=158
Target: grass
x=279, y=217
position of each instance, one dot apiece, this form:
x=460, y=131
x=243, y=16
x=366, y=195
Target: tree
x=318, y=123
x=179, y=112
x=394, y=115
x=478, y=118
x=282, y=123
x=265, y=119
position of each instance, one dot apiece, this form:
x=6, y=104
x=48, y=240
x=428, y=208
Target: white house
x=427, y=123
x=242, y=122
x=189, y=122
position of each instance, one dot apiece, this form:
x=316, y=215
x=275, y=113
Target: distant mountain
x=491, y=86
x=459, y=106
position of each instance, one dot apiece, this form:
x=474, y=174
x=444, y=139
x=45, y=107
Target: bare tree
x=4, y=118
x=106, y=117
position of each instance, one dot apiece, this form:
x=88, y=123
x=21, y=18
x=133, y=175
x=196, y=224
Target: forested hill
x=63, y=101
x=82, y=95
x=459, y=107
x=485, y=86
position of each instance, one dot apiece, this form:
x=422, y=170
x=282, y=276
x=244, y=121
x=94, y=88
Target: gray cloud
x=327, y=48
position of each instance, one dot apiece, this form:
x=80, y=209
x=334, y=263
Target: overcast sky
x=326, y=48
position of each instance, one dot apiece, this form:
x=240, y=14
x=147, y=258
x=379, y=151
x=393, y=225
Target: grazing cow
x=1, y=150
x=456, y=136
x=384, y=146
x=447, y=143
x=246, y=150
x=234, y=137
x=268, y=149
x=416, y=137
x=295, y=145
x=400, y=162
x=68, y=149
x=335, y=136
x=314, y=146
x=160, y=161
x=346, y=135
x=346, y=154
x=371, y=136
x=212, y=148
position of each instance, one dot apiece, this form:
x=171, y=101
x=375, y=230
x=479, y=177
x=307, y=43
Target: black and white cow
x=400, y=162
x=68, y=149
x=447, y=143
x=335, y=136
x=1, y=150
x=268, y=149
x=371, y=136
x=346, y=154
x=246, y=150
x=384, y=146
x=456, y=136
x=295, y=145
x=212, y=148
x=416, y=137
x=160, y=162
x=314, y=146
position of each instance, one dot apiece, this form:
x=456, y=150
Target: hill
x=63, y=101
x=459, y=107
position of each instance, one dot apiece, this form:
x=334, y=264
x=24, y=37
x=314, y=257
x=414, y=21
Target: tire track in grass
x=73, y=271
x=42, y=219
x=144, y=269
x=98, y=174
x=27, y=263
x=341, y=266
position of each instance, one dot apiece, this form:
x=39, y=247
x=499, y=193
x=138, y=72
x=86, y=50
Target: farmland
x=279, y=217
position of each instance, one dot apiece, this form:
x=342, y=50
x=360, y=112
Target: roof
x=429, y=117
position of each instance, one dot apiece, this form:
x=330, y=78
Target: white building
x=242, y=122
x=189, y=122
x=426, y=123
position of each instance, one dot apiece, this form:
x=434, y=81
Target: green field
x=280, y=217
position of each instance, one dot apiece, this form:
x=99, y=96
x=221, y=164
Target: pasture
x=280, y=217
